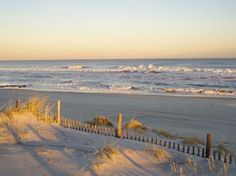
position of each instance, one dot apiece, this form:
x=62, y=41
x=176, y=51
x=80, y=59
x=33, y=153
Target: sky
x=107, y=29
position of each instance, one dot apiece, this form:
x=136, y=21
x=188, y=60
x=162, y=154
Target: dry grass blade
x=211, y=164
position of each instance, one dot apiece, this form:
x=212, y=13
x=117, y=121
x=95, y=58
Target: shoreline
x=118, y=93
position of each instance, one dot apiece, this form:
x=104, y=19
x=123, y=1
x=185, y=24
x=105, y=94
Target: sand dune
x=31, y=147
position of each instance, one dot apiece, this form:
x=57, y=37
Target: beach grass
x=159, y=153
x=221, y=148
x=135, y=124
x=105, y=154
x=38, y=106
x=108, y=151
x=101, y=121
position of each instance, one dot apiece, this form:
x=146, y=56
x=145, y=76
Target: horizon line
x=69, y=59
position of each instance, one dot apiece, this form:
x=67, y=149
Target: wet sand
x=180, y=115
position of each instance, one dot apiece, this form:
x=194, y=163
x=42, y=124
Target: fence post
x=119, y=125
x=208, y=145
x=17, y=103
x=230, y=159
x=59, y=112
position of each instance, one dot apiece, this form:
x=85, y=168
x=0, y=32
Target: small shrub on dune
x=135, y=124
x=100, y=120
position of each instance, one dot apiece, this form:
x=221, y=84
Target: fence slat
x=198, y=151
x=169, y=145
x=214, y=154
x=230, y=159
x=203, y=152
x=193, y=152
x=225, y=158
x=188, y=149
x=160, y=142
x=219, y=155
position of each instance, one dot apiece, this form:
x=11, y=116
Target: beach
x=183, y=116
x=117, y=88
x=33, y=143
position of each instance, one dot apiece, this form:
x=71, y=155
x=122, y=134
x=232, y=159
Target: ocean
x=199, y=77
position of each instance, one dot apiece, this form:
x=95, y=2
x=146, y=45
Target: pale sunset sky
x=103, y=29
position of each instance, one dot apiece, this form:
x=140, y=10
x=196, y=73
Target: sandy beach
x=184, y=116
x=32, y=143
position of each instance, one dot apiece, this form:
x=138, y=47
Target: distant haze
x=106, y=29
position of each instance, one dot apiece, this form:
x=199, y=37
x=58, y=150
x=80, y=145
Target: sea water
x=211, y=77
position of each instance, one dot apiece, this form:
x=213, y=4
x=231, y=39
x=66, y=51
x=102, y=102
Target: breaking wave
x=132, y=77
x=195, y=91
x=150, y=68
x=123, y=88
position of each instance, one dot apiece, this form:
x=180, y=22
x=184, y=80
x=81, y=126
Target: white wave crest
x=156, y=69
x=195, y=91
x=150, y=68
x=123, y=88
x=75, y=67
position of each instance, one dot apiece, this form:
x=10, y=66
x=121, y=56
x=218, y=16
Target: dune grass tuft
x=11, y=109
x=135, y=124
x=164, y=133
x=223, y=149
x=107, y=153
x=37, y=106
x=100, y=120
x=191, y=140
x=160, y=153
